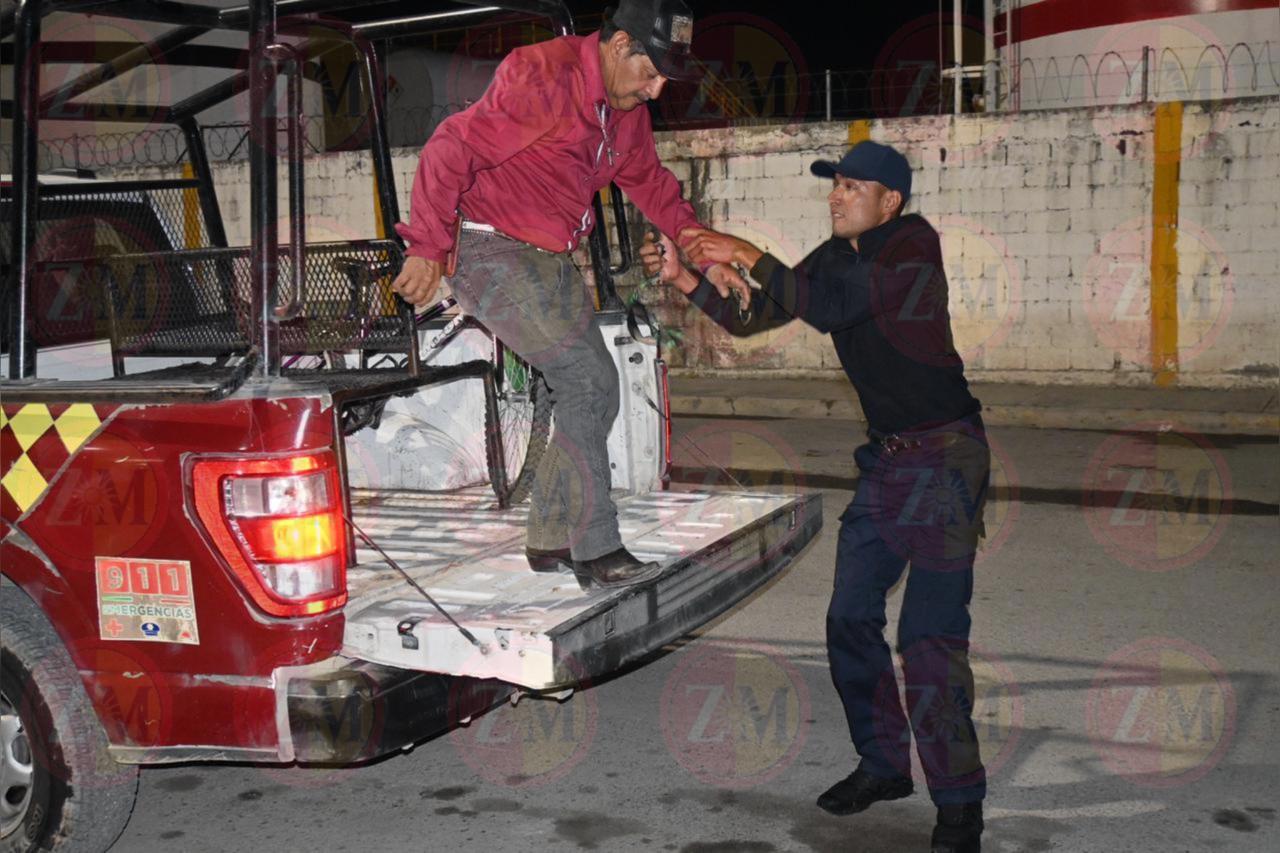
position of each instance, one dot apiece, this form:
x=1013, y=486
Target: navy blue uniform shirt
x=885, y=306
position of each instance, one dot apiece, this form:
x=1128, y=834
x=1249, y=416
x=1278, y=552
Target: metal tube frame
x=287, y=61
x=606, y=291
x=26, y=129
x=384, y=174
x=259, y=17
x=263, y=203
x=204, y=174
x=237, y=16
x=157, y=11
x=157, y=47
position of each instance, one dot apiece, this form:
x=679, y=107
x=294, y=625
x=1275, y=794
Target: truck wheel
x=59, y=788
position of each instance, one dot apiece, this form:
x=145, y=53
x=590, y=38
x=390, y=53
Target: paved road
x=1125, y=646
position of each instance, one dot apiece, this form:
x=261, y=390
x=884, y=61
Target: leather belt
x=893, y=444
x=486, y=228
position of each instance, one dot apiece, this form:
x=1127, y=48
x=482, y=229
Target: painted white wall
x=1045, y=219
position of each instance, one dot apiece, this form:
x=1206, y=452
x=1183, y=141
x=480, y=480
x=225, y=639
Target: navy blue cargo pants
x=922, y=504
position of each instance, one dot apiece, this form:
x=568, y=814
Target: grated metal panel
x=131, y=261
x=199, y=301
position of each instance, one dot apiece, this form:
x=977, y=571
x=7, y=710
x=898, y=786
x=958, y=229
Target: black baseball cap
x=870, y=161
x=665, y=28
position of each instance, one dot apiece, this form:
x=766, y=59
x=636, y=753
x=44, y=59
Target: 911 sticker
x=147, y=600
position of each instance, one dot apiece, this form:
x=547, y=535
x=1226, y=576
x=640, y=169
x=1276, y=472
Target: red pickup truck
x=249, y=513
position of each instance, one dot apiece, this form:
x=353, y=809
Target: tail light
x=664, y=390
x=278, y=524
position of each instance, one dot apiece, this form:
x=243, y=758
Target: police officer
x=878, y=287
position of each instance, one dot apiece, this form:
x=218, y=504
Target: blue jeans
x=924, y=507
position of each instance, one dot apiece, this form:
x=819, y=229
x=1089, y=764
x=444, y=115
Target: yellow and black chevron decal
x=36, y=440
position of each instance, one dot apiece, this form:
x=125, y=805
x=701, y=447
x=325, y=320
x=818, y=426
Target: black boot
x=617, y=568
x=959, y=829
x=549, y=559
x=860, y=789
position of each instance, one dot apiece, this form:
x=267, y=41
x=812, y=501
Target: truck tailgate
x=541, y=631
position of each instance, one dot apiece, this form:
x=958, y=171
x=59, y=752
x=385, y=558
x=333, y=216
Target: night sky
x=890, y=49
x=834, y=35
x=767, y=66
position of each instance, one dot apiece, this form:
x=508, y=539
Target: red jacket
x=528, y=157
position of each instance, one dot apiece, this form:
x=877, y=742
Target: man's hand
x=661, y=258
x=711, y=247
x=726, y=280
x=418, y=281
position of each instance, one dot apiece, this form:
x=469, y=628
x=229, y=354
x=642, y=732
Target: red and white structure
x=1065, y=53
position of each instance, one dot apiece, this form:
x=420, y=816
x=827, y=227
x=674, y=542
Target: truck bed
x=542, y=631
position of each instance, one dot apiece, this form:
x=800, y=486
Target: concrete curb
x=997, y=414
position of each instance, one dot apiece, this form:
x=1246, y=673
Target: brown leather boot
x=549, y=559
x=617, y=568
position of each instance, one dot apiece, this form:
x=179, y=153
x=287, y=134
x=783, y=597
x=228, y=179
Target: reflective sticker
x=23, y=482
x=148, y=600
x=36, y=440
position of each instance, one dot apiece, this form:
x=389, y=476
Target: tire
x=59, y=788
x=522, y=430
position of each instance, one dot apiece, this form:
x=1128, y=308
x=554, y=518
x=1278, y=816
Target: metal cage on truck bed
x=273, y=299
x=110, y=260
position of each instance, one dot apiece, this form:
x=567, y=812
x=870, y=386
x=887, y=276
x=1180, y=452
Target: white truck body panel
x=542, y=631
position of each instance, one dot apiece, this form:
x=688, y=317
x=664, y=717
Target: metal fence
x=158, y=146
x=1203, y=73
x=1110, y=78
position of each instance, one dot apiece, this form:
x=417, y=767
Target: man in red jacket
x=559, y=122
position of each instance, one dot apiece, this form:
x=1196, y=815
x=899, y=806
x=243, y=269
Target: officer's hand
x=661, y=258
x=418, y=281
x=704, y=247
x=726, y=281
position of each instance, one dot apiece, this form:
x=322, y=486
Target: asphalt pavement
x=1124, y=647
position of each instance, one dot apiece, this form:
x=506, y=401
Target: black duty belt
x=894, y=443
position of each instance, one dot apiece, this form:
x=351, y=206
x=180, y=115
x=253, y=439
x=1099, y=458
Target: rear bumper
x=362, y=710
x=341, y=711
x=359, y=711
x=686, y=597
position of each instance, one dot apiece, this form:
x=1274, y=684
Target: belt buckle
x=895, y=444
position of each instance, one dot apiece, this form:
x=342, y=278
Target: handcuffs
x=744, y=314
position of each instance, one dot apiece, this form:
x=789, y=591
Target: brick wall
x=1045, y=219
x=1046, y=227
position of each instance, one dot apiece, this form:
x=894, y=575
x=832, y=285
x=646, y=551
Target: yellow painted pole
x=1164, y=243
x=388, y=297
x=190, y=211
x=859, y=131
x=377, y=211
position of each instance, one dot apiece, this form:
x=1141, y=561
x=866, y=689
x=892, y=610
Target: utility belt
x=945, y=435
